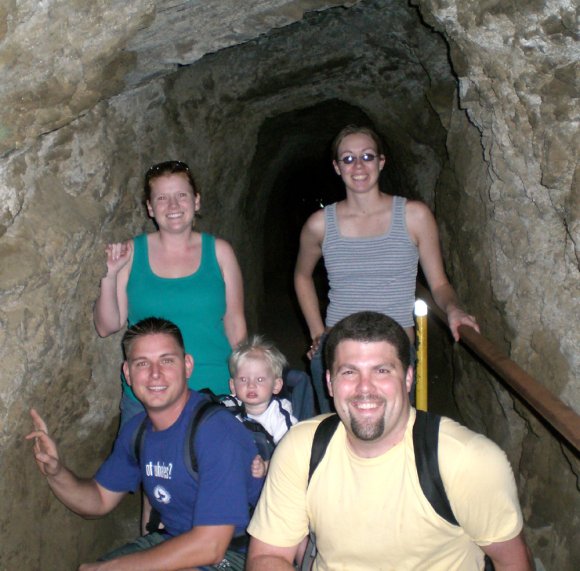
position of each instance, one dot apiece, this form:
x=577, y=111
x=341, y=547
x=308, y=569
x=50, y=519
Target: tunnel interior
x=304, y=183
x=255, y=122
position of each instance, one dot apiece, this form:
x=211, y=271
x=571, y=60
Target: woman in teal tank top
x=190, y=278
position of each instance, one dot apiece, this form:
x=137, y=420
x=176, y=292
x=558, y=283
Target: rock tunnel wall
x=475, y=101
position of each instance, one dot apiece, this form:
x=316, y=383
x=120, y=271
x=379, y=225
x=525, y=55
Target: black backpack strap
x=204, y=410
x=309, y=553
x=426, y=445
x=137, y=440
x=210, y=395
x=322, y=437
x=137, y=449
x=154, y=522
x=231, y=404
x=263, y=440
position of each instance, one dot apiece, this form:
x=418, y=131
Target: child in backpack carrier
x=256, y=367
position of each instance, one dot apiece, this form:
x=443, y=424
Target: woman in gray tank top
x=372, y=243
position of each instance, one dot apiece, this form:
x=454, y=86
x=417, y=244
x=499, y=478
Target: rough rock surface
x=476, y=101
x=60, y=58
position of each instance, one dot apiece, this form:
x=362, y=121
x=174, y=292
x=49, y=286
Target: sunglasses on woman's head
x=167, y=167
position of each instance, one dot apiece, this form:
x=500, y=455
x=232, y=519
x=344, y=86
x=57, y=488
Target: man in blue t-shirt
x=203, y=516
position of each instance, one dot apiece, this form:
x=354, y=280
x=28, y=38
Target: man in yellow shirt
x=364, y=502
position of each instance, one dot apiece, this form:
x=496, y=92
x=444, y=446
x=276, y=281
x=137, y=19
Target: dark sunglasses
x=351, y=159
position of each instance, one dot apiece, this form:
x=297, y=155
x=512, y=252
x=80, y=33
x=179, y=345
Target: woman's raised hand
x=118, y=254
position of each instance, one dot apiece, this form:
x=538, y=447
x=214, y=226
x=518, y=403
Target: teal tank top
x=195, y=303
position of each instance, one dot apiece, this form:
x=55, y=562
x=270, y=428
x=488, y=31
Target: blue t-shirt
x=224, y=451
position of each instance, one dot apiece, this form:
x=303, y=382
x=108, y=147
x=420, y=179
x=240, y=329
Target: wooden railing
x=545, y=404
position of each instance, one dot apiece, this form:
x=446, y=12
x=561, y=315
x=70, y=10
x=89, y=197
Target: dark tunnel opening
x=303, y=182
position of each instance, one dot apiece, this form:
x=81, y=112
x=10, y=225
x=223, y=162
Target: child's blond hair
x=258, y=347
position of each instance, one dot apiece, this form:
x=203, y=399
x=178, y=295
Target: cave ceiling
x=59, y=58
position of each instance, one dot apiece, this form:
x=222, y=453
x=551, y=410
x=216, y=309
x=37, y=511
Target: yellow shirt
x=370, y=513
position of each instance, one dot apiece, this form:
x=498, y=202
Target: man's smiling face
x=157, y=371
x=371, y=393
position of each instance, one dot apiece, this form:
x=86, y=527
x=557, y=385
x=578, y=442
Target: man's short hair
x=151, y=326
x=257, y=347
x=368, y=326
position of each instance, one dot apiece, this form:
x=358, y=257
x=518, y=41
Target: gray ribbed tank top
x=373, y=274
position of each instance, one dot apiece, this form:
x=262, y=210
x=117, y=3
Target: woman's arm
x=423, y=229
x=234, y=318
x=110, y=310
x=310, y=252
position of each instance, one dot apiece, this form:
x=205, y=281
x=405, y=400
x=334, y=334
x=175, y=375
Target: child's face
x=254, y=383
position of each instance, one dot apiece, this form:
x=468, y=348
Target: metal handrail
x=546, y=404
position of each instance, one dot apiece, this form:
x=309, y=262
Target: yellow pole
x=421, y=366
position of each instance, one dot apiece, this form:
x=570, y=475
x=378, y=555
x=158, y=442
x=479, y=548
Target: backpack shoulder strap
x=426, y=445
x=322, y=437
x=203, y=410
x=137, y=440
x=262, y=438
